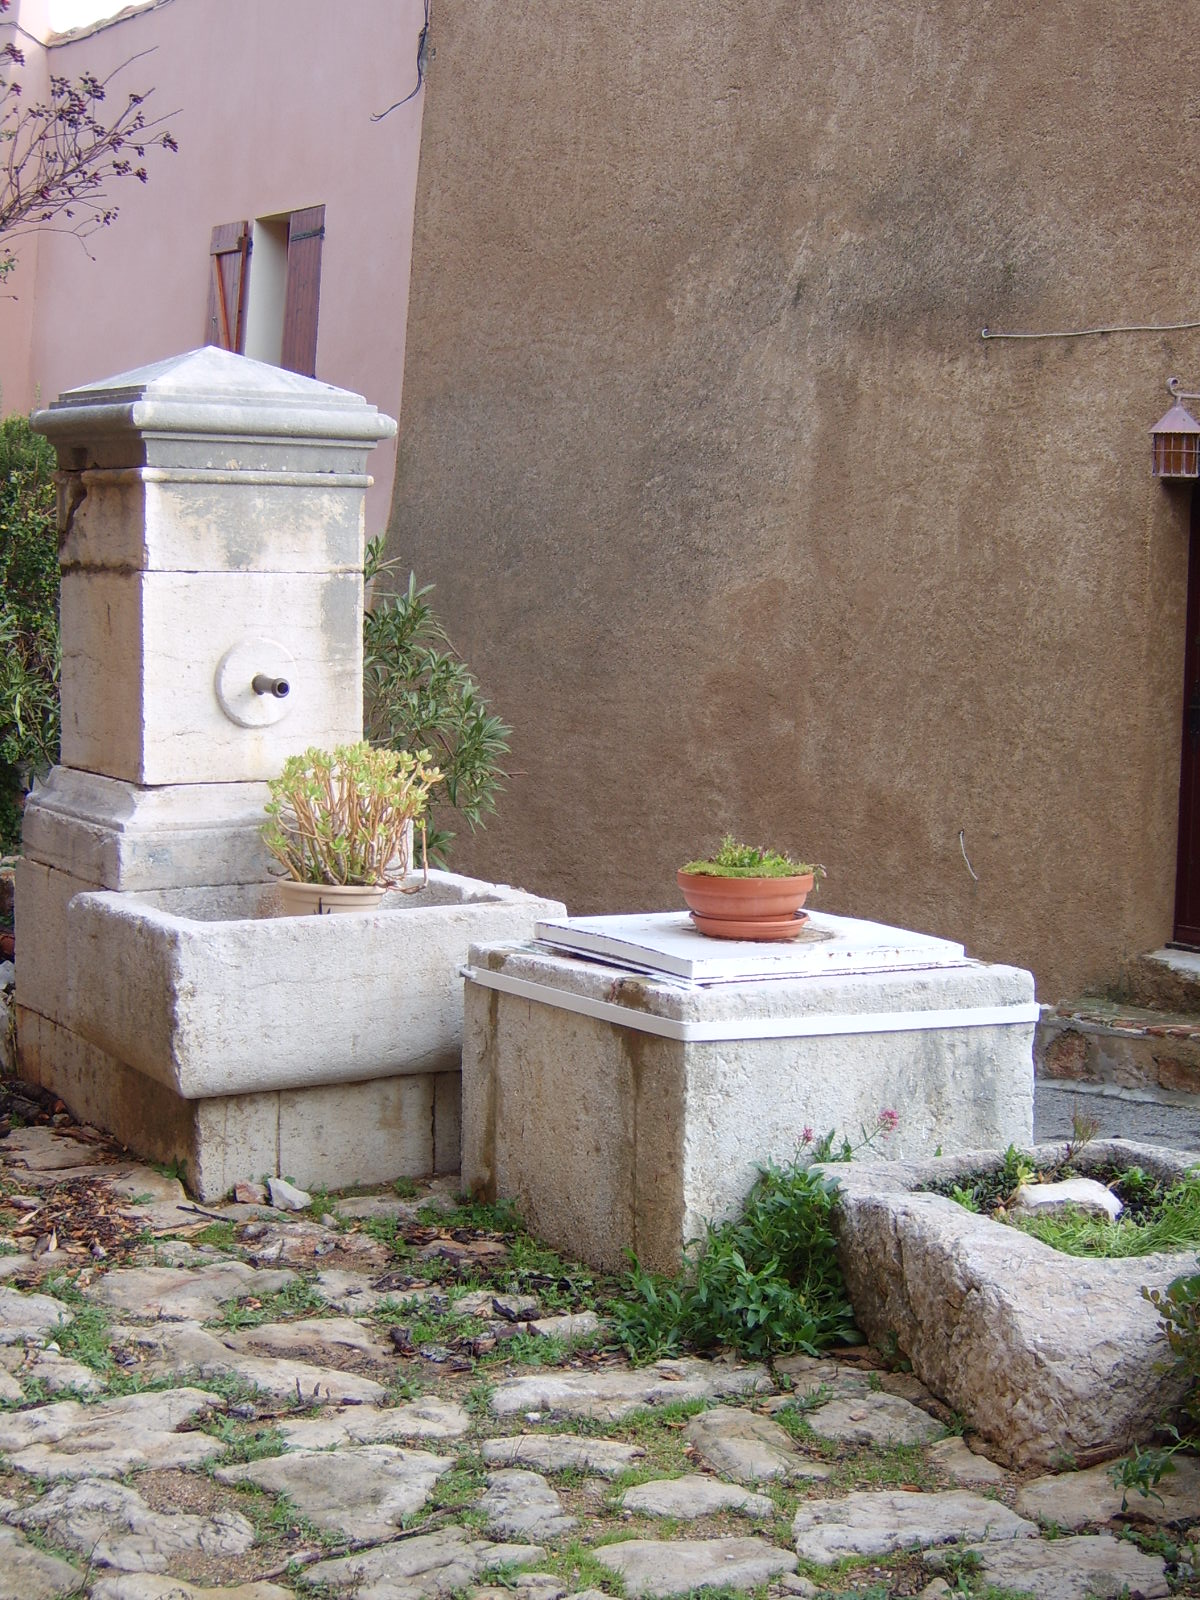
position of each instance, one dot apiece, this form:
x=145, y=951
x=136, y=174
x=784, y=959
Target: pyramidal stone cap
x=210, y=408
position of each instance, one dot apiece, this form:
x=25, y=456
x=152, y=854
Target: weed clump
x=1178, y=1307
x=765, y=1283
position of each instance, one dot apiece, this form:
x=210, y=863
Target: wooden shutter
x=227, y=278
x=306, y=230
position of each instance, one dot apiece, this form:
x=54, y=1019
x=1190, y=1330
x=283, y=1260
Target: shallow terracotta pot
x=744, y=901
x=325, y=899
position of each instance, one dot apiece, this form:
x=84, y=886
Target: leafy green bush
x=419, y=695
x=29, y=645
x=764, y=1284
x=1178, y=1307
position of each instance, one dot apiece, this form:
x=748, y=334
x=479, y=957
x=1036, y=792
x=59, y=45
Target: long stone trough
x=1051, y=1358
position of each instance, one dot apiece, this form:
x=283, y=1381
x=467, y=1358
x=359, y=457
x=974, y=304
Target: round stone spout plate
x=764, y=930
x=233, y=682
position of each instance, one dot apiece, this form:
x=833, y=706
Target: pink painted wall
x=274, y=106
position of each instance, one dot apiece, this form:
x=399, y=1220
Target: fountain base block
x=622, y=1101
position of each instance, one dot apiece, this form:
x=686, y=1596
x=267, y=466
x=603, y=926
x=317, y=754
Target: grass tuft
x=298, y=1299
x=1175, y=1225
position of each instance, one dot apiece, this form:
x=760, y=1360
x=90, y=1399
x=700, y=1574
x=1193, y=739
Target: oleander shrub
x=418, y=694
x=29, y=640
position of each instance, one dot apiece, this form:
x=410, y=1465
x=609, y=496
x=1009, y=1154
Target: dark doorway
x=1187, y=883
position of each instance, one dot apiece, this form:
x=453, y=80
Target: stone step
x=1163, y=980
x=1094, y=1040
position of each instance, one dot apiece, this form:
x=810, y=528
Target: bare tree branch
x=59, y=157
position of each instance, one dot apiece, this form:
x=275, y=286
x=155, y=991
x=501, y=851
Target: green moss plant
x=734, y=860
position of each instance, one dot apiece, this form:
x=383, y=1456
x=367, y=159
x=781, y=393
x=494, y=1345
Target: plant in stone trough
x=765, y=1283
x=344, y=817
x=1157, y=1216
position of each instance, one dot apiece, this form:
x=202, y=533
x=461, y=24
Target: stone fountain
x=211, y=543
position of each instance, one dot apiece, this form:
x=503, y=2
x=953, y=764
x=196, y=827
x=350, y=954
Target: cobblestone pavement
x=389, y=1396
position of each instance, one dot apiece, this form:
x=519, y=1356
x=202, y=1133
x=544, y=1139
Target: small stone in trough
x=1083, y=1194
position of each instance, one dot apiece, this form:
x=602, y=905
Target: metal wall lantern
x=1175, y=439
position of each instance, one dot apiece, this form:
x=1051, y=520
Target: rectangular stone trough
x=1051, y=1358
x=624, y=1077
x=202, y=1025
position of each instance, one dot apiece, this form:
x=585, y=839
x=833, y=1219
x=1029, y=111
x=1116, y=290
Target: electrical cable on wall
x=1088, y=333
x=422, y=69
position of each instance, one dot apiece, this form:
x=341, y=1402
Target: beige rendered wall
x=735, y=513
x=274, y=102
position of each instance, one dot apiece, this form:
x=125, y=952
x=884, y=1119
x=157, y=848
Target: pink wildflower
x=807, y=1136
x=889, y=1121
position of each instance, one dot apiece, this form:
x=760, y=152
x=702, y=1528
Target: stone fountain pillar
x=211, y=534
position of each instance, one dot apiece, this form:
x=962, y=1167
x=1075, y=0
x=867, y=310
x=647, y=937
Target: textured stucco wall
x=726, y=500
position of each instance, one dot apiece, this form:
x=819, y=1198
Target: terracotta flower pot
x=324, y=899
x=746, y=908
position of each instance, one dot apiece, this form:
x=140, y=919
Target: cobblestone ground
x=388, y=1396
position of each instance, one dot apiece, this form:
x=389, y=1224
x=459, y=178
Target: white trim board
x=818, y=1025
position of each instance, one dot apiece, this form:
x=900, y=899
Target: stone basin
x=211, y=991
x=201, y=1027
x=1051, y=1358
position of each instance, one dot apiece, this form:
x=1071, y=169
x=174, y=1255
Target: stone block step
x=1099, y=1041
x=1164, y=980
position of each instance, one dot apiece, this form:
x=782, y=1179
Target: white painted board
x=667, y=943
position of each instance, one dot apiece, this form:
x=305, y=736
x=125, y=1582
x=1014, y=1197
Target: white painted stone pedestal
x=624, y=1076
x=211, y=520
